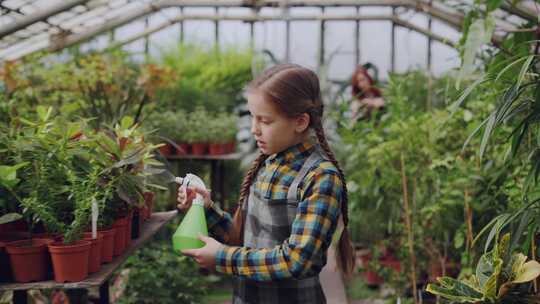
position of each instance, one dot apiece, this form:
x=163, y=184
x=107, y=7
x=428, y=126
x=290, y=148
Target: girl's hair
x=295, y=90
x=356, y=90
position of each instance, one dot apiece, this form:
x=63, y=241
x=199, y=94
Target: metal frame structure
x=27, y=26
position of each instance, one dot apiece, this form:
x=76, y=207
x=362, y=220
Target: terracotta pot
x=136, y=223
x=371, y=277
x=182, y=149
x=216, y=149
x=120, y=242
x=148, y=199
x=166, y=150
x=129, y=228
x=29, y=259
x=5, y=267
x=107, y=247
x=47, y=235
x=70, y=262
x=15, y=226
x=435, y=270
x=199, y=148
x=94, y=258
x=231, y=147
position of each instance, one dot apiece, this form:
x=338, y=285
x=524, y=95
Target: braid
x=236, y=235
x=345, y=249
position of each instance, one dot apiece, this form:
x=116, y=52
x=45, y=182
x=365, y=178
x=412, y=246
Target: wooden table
x=217, y=173
x=99, y=279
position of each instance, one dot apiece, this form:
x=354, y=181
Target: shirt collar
x=298, y=151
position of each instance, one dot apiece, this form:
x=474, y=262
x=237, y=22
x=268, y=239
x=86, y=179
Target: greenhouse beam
x=452, y=19
x=40, y=16
x=178, y=19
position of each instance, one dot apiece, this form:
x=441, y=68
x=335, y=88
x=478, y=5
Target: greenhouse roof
x=28, y=26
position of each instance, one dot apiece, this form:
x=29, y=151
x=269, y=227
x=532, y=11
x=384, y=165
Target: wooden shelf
x=232, y=156
x=149, y=228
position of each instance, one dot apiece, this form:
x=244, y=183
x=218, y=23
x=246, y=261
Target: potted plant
x=123, y=155
x=197, y=133
x=500, y=274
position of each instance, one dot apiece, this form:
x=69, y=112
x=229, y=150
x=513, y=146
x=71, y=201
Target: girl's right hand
x=186, y=195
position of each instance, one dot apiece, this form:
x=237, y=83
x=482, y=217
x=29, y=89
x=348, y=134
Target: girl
x=291, y=200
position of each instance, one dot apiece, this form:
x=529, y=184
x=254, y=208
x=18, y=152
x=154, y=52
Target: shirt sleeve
x=315, y=222
x=219, y=223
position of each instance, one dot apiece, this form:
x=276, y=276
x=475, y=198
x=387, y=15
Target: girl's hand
x=206, y=256
x=187, y=194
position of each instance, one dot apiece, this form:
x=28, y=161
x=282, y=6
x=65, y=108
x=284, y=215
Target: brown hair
x=295, y=90
x=356, y=90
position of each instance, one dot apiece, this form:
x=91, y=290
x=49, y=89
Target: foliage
x=157, y=275
x=498, y=276
x=103, y=87
x=210, y=78
x=445, y=182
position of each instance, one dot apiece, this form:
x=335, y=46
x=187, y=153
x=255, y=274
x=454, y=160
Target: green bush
x=205, y=77
x=157, y=275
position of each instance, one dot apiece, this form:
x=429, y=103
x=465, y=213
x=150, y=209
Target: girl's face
x=273, y=130
x=363, y=82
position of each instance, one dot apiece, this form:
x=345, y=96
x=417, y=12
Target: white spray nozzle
x=192, y=179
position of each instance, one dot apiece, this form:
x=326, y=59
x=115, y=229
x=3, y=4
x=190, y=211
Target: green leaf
x=493, y=4
x=10, y=217
x=8, y=175
x=524, y=69
x=44, y=112
x=479, y=33
x=455, y=290
x=487, y=134
x=126, y=122
x=528, y=272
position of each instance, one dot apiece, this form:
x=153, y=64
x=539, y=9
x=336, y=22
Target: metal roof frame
x=36, y=31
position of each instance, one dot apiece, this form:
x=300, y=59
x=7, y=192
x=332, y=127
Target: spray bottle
x=194, y=222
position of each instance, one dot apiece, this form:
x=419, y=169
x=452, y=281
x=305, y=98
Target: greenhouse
x=269, y=151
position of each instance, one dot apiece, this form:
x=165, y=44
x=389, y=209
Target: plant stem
x=468, y=220
x=409, y=227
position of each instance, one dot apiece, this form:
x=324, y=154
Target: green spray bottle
x=194, y=222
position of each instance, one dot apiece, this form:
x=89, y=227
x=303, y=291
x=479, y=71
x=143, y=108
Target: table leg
x=214, y=175
x=77, y=296
x=221, y=177
x=20, y=297
x=104, y=293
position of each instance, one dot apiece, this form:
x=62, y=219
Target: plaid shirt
x=312, y=229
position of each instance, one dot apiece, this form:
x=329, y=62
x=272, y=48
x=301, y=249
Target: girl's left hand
x=205, y=256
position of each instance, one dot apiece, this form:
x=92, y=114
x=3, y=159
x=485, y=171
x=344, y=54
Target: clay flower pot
x=216, y=149
x=5, y=267
x=107, y=247
x=166, y=150
x=94, y=258
x=120, y=242
x=29, y=259
x=70, y=262
x=182, y=149
x=129, y=228
x=199, y=148
x=149, y=202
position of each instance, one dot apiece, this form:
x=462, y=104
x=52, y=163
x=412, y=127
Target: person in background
x=366, y=98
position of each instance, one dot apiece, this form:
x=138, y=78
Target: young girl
x=291, y=200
